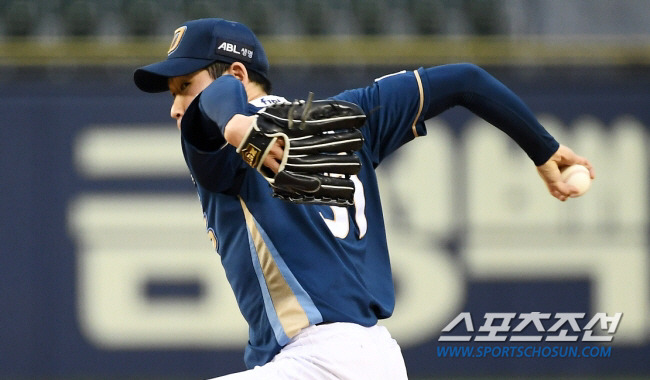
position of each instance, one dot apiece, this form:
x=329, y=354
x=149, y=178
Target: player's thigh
x=266, y=372
x=334, y=352
x=285, y=369
x=367, y=354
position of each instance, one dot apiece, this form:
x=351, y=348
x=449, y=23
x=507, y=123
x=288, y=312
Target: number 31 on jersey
x=340, y=223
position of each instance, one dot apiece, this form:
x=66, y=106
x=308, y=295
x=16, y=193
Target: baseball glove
x=319, y=139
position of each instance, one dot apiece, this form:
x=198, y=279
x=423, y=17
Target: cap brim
x=154, y=77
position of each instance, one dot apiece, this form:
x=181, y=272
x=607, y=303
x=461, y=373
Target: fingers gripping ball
x=578, y=176
x=320, y=138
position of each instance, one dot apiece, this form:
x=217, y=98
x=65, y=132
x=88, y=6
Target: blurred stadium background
x=105, y=272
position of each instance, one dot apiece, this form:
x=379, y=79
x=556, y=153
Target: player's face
x=184, y=89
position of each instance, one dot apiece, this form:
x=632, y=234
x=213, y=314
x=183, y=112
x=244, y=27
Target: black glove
x=319, y=140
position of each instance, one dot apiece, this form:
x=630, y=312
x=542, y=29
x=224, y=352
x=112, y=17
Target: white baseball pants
x=335, y=351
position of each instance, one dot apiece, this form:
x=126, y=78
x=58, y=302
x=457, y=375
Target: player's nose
x=177, y=109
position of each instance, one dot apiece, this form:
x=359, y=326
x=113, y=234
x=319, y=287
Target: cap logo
x=176, y=40
x=235, y=50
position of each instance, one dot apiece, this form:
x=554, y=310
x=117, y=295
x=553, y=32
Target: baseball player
x=290, y=194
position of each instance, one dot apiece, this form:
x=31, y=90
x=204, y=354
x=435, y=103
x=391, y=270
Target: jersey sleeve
x=212, y=161
x=219, y=171
x=223, y=99
x=393, y=108
x=471, y=87
x=397, y=106
x=205, y=119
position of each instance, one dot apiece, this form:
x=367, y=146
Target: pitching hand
x=550, y=172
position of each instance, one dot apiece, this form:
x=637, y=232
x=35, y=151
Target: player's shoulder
x=399, y=80
x=390, y=81
x=393, y=75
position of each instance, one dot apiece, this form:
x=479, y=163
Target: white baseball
x=578, y=176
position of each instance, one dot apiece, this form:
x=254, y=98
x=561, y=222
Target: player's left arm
x=236, y=130
x=225, y=103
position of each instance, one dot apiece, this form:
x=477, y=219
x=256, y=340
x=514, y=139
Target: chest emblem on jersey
x=176, y=40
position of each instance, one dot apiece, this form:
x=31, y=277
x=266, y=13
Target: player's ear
x=238, y=70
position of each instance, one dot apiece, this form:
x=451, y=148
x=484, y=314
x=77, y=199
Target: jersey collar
x=267, y=100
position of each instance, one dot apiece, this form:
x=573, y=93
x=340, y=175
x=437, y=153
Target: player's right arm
x=550, y=172
x=468, y=86
x=473, y=88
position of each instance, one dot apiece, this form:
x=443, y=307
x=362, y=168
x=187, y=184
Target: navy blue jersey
x=290, y=265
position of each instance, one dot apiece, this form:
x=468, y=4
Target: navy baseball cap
x=199, y=43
